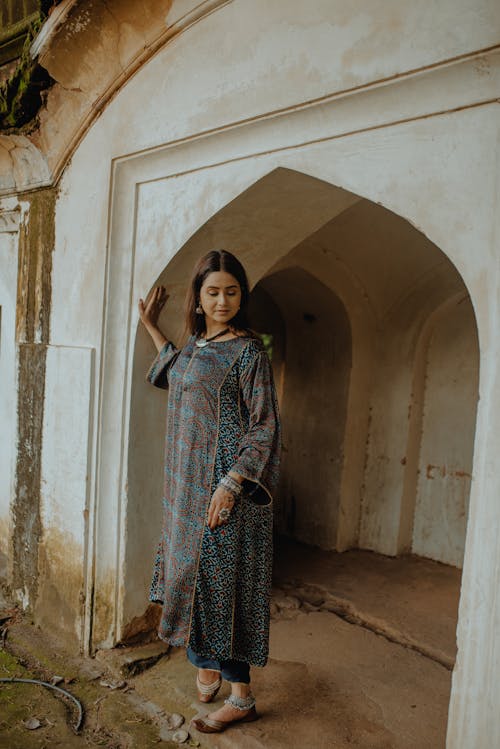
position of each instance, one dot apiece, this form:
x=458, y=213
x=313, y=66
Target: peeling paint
x=443, y=471
x=142, y=628
x=36, y=245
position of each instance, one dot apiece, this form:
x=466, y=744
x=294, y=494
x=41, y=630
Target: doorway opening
x=376, y=359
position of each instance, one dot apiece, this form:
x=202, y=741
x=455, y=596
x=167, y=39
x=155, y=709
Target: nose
x=222, y=300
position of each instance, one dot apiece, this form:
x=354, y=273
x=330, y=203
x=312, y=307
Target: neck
x=214, y=328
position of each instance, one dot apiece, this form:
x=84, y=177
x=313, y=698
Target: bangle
x=231, y=485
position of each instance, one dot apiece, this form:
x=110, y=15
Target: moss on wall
x=32, y=334
x=20, y=95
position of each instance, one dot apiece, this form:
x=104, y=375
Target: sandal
x=211, y=725
x=207, y=692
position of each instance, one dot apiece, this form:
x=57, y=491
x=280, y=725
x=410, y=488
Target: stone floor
x=361, y=651
x=362, y=648
x=411, y=599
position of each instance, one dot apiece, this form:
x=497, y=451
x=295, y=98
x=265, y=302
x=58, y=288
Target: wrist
x=231, y=485
x=236, y=476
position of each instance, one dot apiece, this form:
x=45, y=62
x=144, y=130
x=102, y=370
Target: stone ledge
x=291, y=599
x=126, y=662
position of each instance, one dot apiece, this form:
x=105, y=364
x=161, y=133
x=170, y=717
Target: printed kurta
x=222, y=414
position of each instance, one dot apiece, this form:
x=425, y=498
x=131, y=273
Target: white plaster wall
x=70, y=375
x=473, y=715
x=194, y=69
x=65, y=474
x=9, y=227
x=253, y=56
x=448, y=429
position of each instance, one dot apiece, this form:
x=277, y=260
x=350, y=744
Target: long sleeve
x=259, y=449
x=158, y=372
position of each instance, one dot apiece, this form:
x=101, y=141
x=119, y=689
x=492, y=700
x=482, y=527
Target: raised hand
x=149, y=311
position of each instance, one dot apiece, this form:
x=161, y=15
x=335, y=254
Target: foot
x=206, y=676
x=228, y=713
x=225, y=716
x=208, y=683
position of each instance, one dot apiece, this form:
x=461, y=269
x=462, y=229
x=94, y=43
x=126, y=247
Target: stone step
x=130, y=661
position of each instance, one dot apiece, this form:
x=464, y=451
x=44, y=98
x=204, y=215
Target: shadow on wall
x=312, y=363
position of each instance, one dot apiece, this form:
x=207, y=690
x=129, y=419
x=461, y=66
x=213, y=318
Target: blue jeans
x=236, y=671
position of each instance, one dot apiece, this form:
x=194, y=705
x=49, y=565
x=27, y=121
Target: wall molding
x=9, y=221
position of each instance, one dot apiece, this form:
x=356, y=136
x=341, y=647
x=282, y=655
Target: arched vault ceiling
x=290, y=218
x=386, y=256
x=266, y=221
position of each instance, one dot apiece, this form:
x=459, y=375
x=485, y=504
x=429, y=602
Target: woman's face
x=220, y=297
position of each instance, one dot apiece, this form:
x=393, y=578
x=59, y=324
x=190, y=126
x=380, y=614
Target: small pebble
x=175, y=721
x=56, y=680
x=165, y=733
x=32, y=724
x=287, y=603
x=113, y=684
x=180, y=736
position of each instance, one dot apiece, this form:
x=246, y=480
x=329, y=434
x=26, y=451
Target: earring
x=199, y=310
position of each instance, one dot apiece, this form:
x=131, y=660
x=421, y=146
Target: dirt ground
x=361, y=653
x=111, y=720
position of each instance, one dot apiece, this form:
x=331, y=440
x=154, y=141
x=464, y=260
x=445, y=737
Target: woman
x=212, y=572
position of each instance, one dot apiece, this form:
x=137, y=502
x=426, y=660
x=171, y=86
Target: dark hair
x=213, y=261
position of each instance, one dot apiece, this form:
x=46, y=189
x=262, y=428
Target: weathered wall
x=9, y=233
x=390, y=279
x=304, y=52
x=64, y=470
x=448, y=429
x=34, y=292
x=154, y=236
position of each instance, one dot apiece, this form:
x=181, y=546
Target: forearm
x=159, y=339
x=236, y=476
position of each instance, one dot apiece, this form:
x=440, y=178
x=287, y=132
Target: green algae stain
x=21, y=94
x=10, y=666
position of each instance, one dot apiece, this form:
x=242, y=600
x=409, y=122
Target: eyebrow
x=233, y=286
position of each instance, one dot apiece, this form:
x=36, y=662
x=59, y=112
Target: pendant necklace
x=201, y=342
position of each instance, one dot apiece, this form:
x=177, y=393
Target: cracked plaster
x=90, y=55
x=21, y=164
